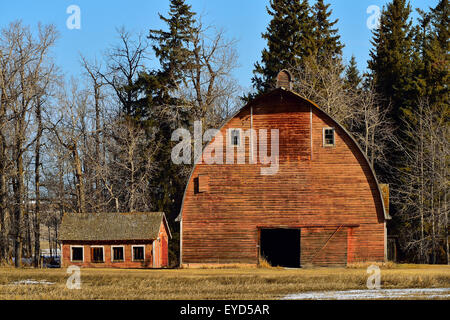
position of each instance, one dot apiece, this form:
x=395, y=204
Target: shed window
x=117, y=253
x=235, y=137
x=328, y=137
x=138, y=253
x=77, y=254
x=97, y=255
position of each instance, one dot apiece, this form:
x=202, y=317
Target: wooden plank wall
x=318, y=187
x=108, y=263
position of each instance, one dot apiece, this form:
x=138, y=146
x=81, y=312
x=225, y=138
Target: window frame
x=71, y=253
x=327, y=145
x=230, y=137
x=92, y=254
x=132, y=252
x=112, y=253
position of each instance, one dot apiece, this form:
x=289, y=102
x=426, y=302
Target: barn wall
x=325, y=187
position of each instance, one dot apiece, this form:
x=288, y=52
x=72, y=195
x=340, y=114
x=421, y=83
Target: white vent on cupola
x=284, y=80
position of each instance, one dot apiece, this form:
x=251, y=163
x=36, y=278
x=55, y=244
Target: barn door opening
x=281, y=247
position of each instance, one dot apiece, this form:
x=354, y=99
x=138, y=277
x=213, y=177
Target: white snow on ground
x=31, y=281
x=441, y=293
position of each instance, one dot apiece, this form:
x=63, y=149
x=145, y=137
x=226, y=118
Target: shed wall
x=87, y=263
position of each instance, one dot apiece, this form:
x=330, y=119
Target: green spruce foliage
x=326, y=38
x=289, y=41
x=296, y=33
x=352, y=78
x=391, y=58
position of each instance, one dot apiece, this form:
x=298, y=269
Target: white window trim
x=112, y=253
x=132, y=251
x=334, y=137
x=230, y=137
x=103, y=251
x=71, y=253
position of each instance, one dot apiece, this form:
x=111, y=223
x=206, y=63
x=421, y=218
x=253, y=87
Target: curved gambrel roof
x=282, y=91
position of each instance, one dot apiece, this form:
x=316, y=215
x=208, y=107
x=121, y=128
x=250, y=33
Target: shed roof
x=111, y=226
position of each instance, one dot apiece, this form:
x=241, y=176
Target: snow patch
x=442, y=293
x=31, y=282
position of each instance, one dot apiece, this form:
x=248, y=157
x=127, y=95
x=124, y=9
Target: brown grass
x=264, y=264
x=365, y=265
x=242, y=283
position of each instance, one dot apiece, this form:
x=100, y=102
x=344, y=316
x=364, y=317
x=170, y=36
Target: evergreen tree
x=420, y=42
x=352, y=78
x=392, y=75
x=326, y=37
x=391, y=59
x=409, y=66
x=171, y=46
x=289, y=41
x=436, y=53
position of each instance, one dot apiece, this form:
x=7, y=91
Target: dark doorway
x=281, y=247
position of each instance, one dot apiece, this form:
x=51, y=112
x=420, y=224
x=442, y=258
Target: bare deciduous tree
x=323, y=83
x=422, y=186
x=208, y=84
x=23, y=67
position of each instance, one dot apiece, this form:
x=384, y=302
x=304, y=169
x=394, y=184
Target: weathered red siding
x=108, y=263
x=324, y=191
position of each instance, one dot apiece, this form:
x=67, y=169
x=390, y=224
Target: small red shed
x=120, y=240
x=322, y=206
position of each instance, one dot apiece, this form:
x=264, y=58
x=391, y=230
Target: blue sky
x=243, y=20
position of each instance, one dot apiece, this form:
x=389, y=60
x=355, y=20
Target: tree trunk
x=433, y=223
x=98, y=189
x=18, y=188
x=446, y=227
x=4, y=244
x=37, y=177
x=421, y=159
x=79, y=179
x=50, y=240
x=3, y=238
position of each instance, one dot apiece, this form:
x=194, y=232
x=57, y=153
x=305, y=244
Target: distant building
x=323, y=206
x=121, y=240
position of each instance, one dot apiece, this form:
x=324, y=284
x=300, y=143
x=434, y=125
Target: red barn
x=321, y=206
x=121, y=240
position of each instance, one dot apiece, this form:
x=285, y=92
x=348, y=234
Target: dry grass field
x=231, y=283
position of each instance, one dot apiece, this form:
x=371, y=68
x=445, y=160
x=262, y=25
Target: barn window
x=201, y=184
x=117, y=253
x=328, y=137
x=76, y=254
x=235, y=137
x=138, y=253
x=98, y=255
